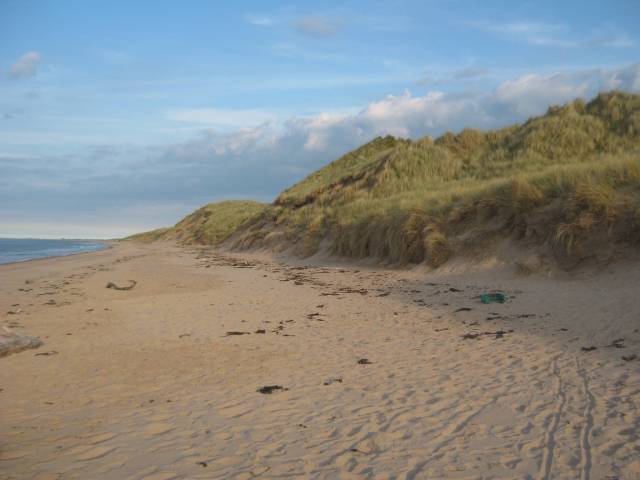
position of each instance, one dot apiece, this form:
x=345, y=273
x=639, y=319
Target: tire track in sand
x=585, y=446
x=550, y=441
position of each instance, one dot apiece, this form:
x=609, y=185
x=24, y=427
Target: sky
x=120, y=116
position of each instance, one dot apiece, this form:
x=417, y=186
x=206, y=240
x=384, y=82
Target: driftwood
x=116, y=287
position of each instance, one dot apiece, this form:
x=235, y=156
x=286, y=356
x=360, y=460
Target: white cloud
x=525, y=95
x=26, y=66
x=408, y=115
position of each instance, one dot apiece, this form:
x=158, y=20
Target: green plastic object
x=493, y=298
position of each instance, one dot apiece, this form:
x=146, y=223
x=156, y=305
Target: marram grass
x=210, y=225
x=561, y=180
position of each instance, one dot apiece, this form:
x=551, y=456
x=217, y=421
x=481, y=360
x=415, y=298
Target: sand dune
x=148, y=383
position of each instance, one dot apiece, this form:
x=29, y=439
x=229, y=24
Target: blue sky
x=121, y=116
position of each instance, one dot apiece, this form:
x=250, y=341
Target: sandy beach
x=385, y=373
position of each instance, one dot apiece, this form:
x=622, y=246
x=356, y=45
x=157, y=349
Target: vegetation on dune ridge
x=150, y=236
x=567, y=182
x=209, y=225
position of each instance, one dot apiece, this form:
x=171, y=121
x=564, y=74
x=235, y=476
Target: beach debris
x=629, y=358
x=364, y=361
x=202, y=464
x=332, y=380
x=17, y=311
x=269, y=389
x=182, y=335
x=476, y=335
x=132, y=283
x=261, y=330
x=237, y=333
x=617, y=343
x=46, y=354
x=257, y=472
x=453, y=289
x=12, y=342
x=589, y=349
x=495, y=297
x=462, y=309
x=498, y=334
x=361, y=291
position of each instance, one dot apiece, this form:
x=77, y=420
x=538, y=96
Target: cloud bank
x=154, y=186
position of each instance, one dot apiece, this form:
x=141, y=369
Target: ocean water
x=21, y=249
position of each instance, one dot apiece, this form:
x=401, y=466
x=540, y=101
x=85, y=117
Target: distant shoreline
x=109, y=244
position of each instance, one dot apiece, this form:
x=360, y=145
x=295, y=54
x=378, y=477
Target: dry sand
x=145, y=383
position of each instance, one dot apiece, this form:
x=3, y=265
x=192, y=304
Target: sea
x=22, y=249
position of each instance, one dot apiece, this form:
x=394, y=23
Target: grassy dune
x=567, y=182
x=210, y=225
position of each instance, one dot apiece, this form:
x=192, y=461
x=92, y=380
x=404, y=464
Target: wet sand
x=384, y=373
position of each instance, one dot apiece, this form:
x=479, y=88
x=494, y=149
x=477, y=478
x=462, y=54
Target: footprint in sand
x=158, y=428
x=95, y=453
x=161, y=476
x=12, y=455
x=100, y=438
x=48, y=476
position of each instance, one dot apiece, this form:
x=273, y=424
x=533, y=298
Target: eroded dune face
x=12, y=342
